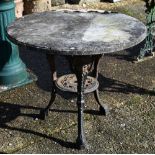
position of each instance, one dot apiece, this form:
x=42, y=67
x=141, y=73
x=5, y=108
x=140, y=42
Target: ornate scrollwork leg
x=103, y=107
x=51, y=60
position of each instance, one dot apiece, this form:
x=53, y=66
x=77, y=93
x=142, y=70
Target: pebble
x=10, y=133
x=72, y=48
x=72, y=101
x=36, y=119
x=123, y=125
x=84, y=5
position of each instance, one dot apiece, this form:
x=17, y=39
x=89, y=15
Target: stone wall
x=19, y=8
x=57, y=2
x=81, y=1
x=30, y=6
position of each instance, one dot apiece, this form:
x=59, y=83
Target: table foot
x=81, y=143
x=43, y=114
x=104, y=110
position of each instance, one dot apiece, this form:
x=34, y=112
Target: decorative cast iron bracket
x=147, y=50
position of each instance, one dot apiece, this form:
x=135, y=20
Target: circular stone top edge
x=84, y=11
x=83, y=47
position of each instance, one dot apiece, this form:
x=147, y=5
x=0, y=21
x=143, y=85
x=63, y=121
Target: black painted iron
x=81, y=66
x=68, y=82
x=51, y=60
x=103, y=107
x=81, y=77
x=149, y=45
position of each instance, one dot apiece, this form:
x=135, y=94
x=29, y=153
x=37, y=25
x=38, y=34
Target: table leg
x=81, y=66
x=103, y=107
x=81, y=77
x=51, y=61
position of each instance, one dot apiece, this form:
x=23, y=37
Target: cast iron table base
x=81, y=66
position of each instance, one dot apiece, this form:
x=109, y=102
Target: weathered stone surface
x=81, y=1
x=77, y=33
x=19, y=8
x=89, y=1
x=57, y=2
x=31, y=6
x=113, y=1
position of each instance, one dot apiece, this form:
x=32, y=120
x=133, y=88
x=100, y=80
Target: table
x=83, y=37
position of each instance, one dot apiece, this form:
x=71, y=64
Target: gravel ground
x=127, y=88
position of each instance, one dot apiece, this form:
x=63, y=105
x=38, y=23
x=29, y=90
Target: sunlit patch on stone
x=98, y=30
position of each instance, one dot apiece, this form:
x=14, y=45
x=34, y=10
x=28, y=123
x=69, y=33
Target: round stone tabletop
x=77, y=33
